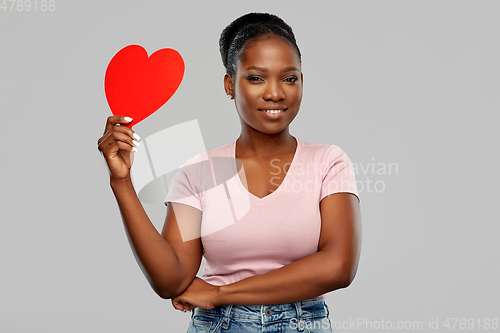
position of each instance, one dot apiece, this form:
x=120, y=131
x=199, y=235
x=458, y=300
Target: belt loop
x=227, y=315
x=300, y=323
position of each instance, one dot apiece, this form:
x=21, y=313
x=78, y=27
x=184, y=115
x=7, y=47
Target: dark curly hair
x=250, y=26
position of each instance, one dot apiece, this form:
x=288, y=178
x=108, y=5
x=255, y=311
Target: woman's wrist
x=224, y=295
x=115, y=183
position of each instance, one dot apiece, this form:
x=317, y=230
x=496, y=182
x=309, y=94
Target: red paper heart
x=136, y=86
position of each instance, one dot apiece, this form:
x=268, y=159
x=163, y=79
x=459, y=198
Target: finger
x=124, y=137
x=186, y=307
x=119, y=133
x=116, y=127
x=119, y=129
x=116, y=120
x=111, y=151
x=177, y=304
x=112, y=140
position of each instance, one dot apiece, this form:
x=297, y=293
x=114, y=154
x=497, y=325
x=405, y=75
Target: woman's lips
x=273, y=112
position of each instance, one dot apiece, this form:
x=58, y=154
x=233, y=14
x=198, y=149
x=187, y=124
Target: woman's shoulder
x=321, y=151
x=221, y=151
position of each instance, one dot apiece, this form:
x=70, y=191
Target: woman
x=300, y=236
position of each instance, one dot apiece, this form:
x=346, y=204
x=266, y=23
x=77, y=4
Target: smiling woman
x=267, y=85
x=274, y=239
x=298, y=241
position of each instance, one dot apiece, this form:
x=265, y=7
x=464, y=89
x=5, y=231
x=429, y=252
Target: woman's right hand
x=117, y=146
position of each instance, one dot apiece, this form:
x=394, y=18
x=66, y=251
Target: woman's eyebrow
x=289, y=69
x=262, y=69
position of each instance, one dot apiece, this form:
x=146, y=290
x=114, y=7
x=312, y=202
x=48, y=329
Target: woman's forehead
x=269, y=51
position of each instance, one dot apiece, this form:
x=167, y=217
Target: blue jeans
x=309, y=316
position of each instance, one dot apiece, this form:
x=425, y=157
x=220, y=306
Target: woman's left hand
x=199, y=294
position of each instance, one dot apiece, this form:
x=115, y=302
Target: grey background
x=407, y=82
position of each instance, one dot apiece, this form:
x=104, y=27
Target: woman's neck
x=265, y=145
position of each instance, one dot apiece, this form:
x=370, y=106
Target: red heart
x=136, y=86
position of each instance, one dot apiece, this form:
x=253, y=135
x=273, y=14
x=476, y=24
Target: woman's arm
x=169, y=263
x=332, y=267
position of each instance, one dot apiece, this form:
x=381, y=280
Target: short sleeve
x=184, y=187
x=338, y=173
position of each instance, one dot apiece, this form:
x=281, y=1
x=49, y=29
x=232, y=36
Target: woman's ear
x=228, y=86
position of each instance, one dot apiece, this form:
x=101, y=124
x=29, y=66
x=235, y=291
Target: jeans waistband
x=310, y=308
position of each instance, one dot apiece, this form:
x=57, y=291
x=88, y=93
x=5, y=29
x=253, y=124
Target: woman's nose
x=274, y=92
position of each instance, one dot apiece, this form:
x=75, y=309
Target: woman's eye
x=254, y=78
x=291, y=79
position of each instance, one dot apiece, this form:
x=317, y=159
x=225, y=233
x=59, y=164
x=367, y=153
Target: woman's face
x=267, y=85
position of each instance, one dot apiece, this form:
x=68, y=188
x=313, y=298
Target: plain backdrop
x=412, y=84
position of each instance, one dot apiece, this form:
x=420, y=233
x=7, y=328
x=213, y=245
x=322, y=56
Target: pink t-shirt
x=244, y=235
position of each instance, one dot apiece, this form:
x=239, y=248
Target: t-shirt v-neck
x=275, y=193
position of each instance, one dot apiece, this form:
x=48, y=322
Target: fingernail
x=137, y=144
x=134, y=149
x=128, y=119
x=136, y=136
